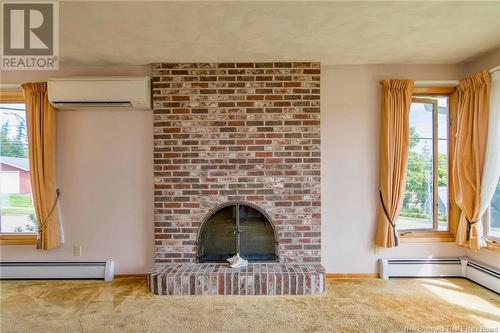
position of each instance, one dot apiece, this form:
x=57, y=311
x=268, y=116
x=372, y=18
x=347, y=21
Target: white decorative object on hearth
x=237, y=262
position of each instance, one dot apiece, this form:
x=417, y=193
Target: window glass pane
x=442, y=117
x=416, y=212
x=494, y=227
x=16, y=203
x=443, y=201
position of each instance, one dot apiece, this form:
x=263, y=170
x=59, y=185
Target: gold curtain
x=41, y=123
x=470, y=152
x=394, y=146
x=454, y=210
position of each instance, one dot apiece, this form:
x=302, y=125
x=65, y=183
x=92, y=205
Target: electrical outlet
x=77, y=250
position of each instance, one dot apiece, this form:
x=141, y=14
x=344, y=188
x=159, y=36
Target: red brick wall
x=237, y=132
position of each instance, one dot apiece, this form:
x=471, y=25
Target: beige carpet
x=357, y=305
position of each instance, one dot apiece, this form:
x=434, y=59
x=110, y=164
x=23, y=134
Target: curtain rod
x=435, y=83
x=10, y=87
x=441, y=83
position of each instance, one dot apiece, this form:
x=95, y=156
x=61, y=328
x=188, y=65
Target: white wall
x=350, y=122
x=105, y=170
x=104, y=162
x=484, y=62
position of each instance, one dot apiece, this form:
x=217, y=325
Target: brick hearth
x=219, y=279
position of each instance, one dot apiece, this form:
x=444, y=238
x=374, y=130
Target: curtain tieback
x=43, y=224
x=469, y=227
x=393, y=225
x=385, y=209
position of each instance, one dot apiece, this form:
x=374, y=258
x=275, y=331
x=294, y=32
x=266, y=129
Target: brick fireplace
x=237, y=133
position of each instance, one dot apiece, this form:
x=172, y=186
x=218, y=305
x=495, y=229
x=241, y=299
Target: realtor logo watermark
x=30, y=35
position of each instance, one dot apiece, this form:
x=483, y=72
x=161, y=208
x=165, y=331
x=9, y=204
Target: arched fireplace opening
x=239, y=227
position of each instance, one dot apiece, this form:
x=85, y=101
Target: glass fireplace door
x=218, y=241
x=256, y=235
x=237, y=228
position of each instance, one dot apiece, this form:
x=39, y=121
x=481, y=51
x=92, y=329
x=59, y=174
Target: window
x=16, y=203
x=493, y=220
x=426, y=202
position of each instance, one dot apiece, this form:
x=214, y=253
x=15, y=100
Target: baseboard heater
x=420, y=268
x=482, y=274
x=23, y=270
x=478, y=272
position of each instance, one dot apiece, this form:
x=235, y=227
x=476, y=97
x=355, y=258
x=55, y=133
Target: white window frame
x=486, y=226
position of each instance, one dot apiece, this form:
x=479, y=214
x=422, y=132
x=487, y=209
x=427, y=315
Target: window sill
x=493, y=245
x=426, y=237
x=17, y=239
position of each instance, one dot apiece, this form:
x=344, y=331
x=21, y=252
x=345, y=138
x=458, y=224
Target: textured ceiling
x=100, y=33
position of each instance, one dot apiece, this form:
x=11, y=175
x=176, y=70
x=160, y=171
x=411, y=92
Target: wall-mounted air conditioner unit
x=102, y=92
